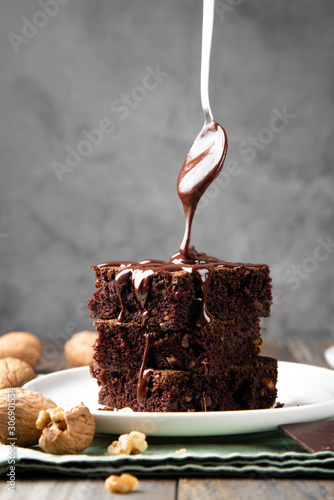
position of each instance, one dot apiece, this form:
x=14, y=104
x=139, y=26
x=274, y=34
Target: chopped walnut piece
x=121, y=484
x=128, y=444
x=180, y=452
x=126, y=409
x=185, y=341
x=270, y=384
x=258, y=306
x=173, y=361
x=43, y=419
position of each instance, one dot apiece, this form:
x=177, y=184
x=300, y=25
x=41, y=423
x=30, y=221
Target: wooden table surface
x=47, y=487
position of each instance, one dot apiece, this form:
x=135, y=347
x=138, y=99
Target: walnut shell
x=14, y=372
x=66, y=432
x=19, y=409
x=21, y=345
x=79, y=348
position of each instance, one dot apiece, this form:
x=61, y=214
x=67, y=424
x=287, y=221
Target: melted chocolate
x=203, y=402
x=202, y=165
x=144, y=374
x=140, y=274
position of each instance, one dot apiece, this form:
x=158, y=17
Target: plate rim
x=290, y=414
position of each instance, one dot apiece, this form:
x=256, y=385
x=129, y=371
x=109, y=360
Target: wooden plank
x=309, y=352
x=217, y=489
x=255, y=489
x=85, y=489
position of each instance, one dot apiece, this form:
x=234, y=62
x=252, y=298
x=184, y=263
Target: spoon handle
x=208, y=17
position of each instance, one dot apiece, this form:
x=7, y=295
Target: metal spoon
x=206, y=157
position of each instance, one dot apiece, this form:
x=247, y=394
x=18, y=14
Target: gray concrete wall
x=68, y=68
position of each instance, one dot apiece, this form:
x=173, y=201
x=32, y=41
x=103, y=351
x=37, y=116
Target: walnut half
x=66, y=432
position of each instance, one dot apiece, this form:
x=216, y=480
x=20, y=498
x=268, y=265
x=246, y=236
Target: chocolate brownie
x=251, y=385
x=174, y=298
x=182, y=335
x=120, y=346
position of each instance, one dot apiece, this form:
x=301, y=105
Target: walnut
x=19, y=409
x=269, y=383
x=121, y=484
x=173, y=361
x=180, y=452
x=14, y=372
x=128, y=444
x=257, y=305
x=185, y=341
x=21, y=345
x=79, y=348
x=65, y=432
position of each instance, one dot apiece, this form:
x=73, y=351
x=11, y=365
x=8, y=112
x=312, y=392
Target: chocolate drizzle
x=202, y=165
x=203, y=402
x=140, y=275
x=141, y=279
x=144, y=374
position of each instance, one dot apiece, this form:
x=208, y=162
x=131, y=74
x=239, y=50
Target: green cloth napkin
x=266, y=454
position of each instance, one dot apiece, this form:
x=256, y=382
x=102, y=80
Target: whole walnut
x=15, y=372
x=19, y=409
x=79, y=348
x=21, y=345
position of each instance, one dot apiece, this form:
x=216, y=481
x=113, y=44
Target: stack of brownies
x=153, y=353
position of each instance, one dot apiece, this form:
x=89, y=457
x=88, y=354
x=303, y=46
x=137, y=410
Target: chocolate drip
x=202, y=165
x=144, y=374
x=140, y=274
x=141, y=279
x=203, y=402
x=204, y=274
x=121, y=282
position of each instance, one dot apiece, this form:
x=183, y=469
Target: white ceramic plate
x=307, y=393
